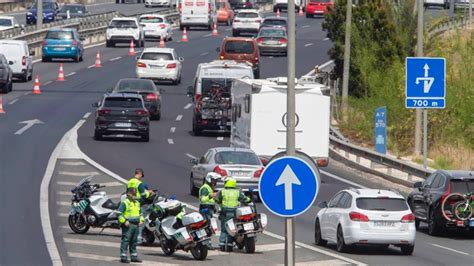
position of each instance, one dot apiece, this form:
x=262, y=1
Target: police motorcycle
x=91, y=207
x=194, y=235
x=245, y=225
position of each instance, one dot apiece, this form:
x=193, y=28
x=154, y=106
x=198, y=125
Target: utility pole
x=347, y=58
x=39, y=14
x=290, y=124
x=419, y=53
x=470, y=12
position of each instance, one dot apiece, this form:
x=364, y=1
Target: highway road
x=24, y=157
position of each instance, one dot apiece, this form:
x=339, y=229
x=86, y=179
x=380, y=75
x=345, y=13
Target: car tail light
x=151, y=97
x=44, y=43
x=448, y=191
x=247, y=217
x=198, y=225
x=173, y=65
x=409, y=218
x=260, y=40
x=140, y=64
x=23, y=60
x=180, y=7
x=258, y=20
x=472, y=197
x=236, y=20
x=258, y=173
x=358, y=217
x=322, y=162
x=142, y=112
x=162, y=26
x=103, y=111
x=74, y=42
x=220, y=171
x=283, y=40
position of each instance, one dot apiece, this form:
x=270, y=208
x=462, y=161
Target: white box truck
x=259, y=118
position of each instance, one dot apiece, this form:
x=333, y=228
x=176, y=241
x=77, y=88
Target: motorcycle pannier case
x=192, y=218
x=243, y=211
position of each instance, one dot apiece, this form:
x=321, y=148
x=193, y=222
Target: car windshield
x=73, y=9
x=220, y=5
x=6, y=22
x=239, y=47
x=123, y=102
x=157, y=56
x=208, y=84
x=123, y=24
x=274, y=22
x=46, y=5
x=462, y=186
x=237, y=157
x=134, y=85
x=247, y=15
x=382, y=204
x=151, y=20
x=59, y=35
x=272, y=33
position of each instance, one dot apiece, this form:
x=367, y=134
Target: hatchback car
x=275, y=22
x=225, y=14
x=241, y=164
x=72, y=11
x=366, y=216
x=147, y=89
x=156, y=26
x=426, y=199
x=6, y=74
x=62, y=43
x=159, y=64
x=241, y=50
x=122, y=114
x=50, y=9
x=318, y=7
x=246, y=21
x=272, y=40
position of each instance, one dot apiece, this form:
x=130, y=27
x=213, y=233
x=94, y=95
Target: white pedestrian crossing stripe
x=78, y=174
x=106, y=184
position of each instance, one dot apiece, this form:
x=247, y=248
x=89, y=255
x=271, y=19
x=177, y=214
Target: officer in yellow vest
x=207, y=194
x=130, y=219
x=229, y=199
x=136, y=182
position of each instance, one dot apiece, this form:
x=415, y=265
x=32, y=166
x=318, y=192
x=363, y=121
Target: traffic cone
x=97, y=60
x=214, y=31
x=131, y=52
x=162, y=42
x=36, y=89
x=1, y=105
x=278, y=12
x=61, y=73
x=185, y=36
x=300, y=13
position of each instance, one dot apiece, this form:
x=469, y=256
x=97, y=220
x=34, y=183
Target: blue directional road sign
x=425, y=82
x=288, y=186
x=380, y=129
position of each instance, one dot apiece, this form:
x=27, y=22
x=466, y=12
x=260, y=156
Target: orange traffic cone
x=36, y=89
x=61, y=73
x=278, y=12
x=162, y=42
x=300, y=13
x=131, y=52
x=185, y=36
x=97, y=60
x=1, y=105
x=214, y=31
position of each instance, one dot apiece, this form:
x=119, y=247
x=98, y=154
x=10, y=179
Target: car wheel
x=181, y=27
x=318, y=240
x=407, y=249
x=45, y=59
x=81, y=58
x=227, y=22
x=175, y=82
x=146, y=137
x=417, y=224
x=108, y=44
x=25, y=77
x=256, y=73
x=434, y=228
x=97, y=135
x=275, y=9
x=341, y=244
x=308, y=15
x=77, y=59
x=196, y=131
x=193, y=190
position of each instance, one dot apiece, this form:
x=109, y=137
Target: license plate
x=240, y=173
x=271, y=42
x=248, y=226
x=123, y=124
x=60, y=49
x=384, y=224
x=201, y=233
x=471, y=223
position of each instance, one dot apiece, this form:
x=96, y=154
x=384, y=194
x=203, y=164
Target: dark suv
x=426, y=198
x=122, y=114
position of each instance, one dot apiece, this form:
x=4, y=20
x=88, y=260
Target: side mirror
x=323, y=205
x=32, y=53
x=110, y=90
x=17, y=26
x=190, y=92
x=417, y=185
x=96, y=105
x=82, y=39
x=180, y=59
x=194, y=161
x=142, y=25
x=11, y=62
x=137, y=57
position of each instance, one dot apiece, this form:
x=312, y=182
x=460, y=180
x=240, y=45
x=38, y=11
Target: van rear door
x=14, y=52
x=196, y=12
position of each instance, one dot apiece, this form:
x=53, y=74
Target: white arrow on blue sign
x=288, y=186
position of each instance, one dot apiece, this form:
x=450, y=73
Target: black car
x=6, y=74
x=275, y=22
x=426, y=198
x=147, y=89
x=122, y=114
x=75, y=11
x=242, y=4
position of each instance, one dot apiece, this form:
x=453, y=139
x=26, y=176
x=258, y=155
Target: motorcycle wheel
x=78, y=224
x=249, y=245
x=148, y=237
x=166, y=247
x=199, y=252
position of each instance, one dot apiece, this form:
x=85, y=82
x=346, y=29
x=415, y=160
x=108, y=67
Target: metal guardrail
x=447, y=24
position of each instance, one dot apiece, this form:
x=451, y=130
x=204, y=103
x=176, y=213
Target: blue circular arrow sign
x=288, y=186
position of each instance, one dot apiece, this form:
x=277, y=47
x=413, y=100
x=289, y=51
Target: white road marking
x=63, y=214
x=106, y=184
x=220, y=138
x=78, y=174
x=172, y=130
x=179, y=117
x=98, y=231
x=91, y=66
x=326, y=39
x=203, y=54
x=72, y=163
x=115, y=58
x=110, y=259
x=228, y=29
x=190, y=156
x=12, y=102
x=47, y=83
x=320, y=263
x=70, y=74
x=308, y=44
x=450, y=249
x=170, y=141
x=86, y=115
x=342, y=179
x=68, y=193
x=187, y=106
x=305, y=26
x=102, y=243
x=63, y=203
x=27, y=125
x=208, y=35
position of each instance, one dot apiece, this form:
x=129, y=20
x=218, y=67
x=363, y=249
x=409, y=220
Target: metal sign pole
x=39, y=15
x=419, y=53
x=425, y=138
x=290, y=130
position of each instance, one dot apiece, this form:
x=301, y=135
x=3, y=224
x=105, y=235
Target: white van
x=197, y=13
x=19, y=53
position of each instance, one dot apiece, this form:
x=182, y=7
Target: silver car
x=241, y=164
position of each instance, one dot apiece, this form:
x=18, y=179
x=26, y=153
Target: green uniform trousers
x=225, y=215
x=129, y=241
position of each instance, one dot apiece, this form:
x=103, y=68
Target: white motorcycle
x=91, y=208
x=193, y=236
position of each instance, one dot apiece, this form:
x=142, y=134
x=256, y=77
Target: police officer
x=229, y=199
x=207, y=194
x=130, y=219
x=142, y=193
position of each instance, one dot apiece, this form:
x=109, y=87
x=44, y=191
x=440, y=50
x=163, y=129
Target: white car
x=7, y=22
x=366, y=216
x=167, y=3
x=19, y=53
x=246, y=21
x=439, y=3
x=159, y=64
x=124, y=30
x=156, y=26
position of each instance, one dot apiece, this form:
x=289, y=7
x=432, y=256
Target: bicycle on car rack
x=459, y=208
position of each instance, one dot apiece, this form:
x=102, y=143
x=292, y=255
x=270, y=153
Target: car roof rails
x=354, y=190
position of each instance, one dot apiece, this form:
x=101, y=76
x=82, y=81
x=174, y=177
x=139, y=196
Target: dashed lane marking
x=98, y=231
x=170, y=141
x=220, y=138
x=86, y=115
x=107, y=184
x=63, y=203
x=203, y=54
x=70, y=74
x=115, y=58
x=320, y=263
x=78, y=174
x=308, y=44
x=72, y=163
x=326, y=39
x=91, y=66
x=187, y=106
x=109, y=259
x=172, y=130
x=450, y=249
x=63, y=214
x=208, y=35
x=12, y=102
x=179, y=117
x=47, y=83
x=305, y=26
x=190, y=156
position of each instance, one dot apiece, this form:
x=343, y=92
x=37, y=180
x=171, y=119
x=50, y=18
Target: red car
x=318, y=7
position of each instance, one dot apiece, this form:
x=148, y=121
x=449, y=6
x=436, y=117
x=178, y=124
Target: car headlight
x=29, y=13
